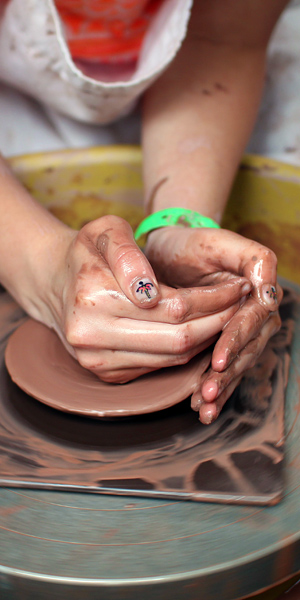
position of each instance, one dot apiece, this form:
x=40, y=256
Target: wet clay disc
x=41, y=366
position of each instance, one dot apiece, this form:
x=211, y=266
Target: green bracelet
x=182, y=217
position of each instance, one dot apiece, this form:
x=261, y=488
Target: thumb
x=127, y=262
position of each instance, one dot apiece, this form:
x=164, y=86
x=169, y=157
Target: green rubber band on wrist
x=170, y=217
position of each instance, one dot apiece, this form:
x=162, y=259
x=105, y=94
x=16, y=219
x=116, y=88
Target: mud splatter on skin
x=103, y=241
x=217, y=87
x=221, y=88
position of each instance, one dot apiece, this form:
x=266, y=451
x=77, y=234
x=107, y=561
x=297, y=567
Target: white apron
x=34, y=58
x=73, y=109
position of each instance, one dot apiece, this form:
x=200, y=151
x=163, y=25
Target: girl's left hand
x=193, y=257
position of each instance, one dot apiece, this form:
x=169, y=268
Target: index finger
x=185, y=304
x=259, y=264
x=247, y=258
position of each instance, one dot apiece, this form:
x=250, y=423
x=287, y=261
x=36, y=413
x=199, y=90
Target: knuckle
x=177, y=309
x=271, y=256
x=81, y=299
x=79, y=335
x=86, y=362
x=73, y=334
x=125, y=255
x=252, y=360
x=97, y=232
x=258, y=317
x=183, y=341
x=265, y=253
x=110, y=376
x=113, y=221
x=106, y=222
x=184, y=358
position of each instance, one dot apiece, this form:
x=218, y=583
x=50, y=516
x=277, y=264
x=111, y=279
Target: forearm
x=31, y=240
x=196, y=127
x=197, y=120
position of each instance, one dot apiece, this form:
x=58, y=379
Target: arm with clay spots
x=197, y=120
x=97, y=290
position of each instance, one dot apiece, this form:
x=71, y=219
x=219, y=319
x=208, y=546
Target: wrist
x=172, y=217
x=38, y=283
x=161, y=243
x=49, y=276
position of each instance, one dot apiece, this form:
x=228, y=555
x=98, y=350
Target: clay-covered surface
x=237, y=459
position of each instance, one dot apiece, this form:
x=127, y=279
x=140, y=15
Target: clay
x=39, y=364
x=169, y=454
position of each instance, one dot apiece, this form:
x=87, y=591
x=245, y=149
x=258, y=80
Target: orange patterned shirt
x=106, y=31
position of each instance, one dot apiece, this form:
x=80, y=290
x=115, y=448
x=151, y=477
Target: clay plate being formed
x=41, y=366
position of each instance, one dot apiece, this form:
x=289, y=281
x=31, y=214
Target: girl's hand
x=114, y=318
x=214, y=387
x=187, y=257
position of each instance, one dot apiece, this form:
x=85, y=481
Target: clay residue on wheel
x=169, y=453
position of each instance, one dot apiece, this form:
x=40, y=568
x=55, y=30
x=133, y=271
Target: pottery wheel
x=71, y=545
x=40, y=365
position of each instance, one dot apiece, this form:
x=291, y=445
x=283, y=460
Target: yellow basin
x=80, y=185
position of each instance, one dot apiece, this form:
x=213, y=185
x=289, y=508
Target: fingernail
x=243, y=300
x=209, y=415
x=196, y=404
x=144, y=289
x=207, y=418
x=269, y=294
x=247, y=287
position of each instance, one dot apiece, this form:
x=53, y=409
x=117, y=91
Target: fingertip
x=196, y=399
x=219, y=363
x=208, y=413
x=267, y=296
x=246, y=288
x=209, y=390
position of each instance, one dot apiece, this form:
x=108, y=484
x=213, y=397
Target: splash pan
x=166, y=454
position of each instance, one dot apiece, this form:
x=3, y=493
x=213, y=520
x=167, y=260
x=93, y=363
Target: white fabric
x=277, y=131
x=35, y=58
x=26, y=126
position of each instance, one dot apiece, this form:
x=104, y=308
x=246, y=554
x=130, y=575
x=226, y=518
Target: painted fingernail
x=144, y=289
x=269, y=294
